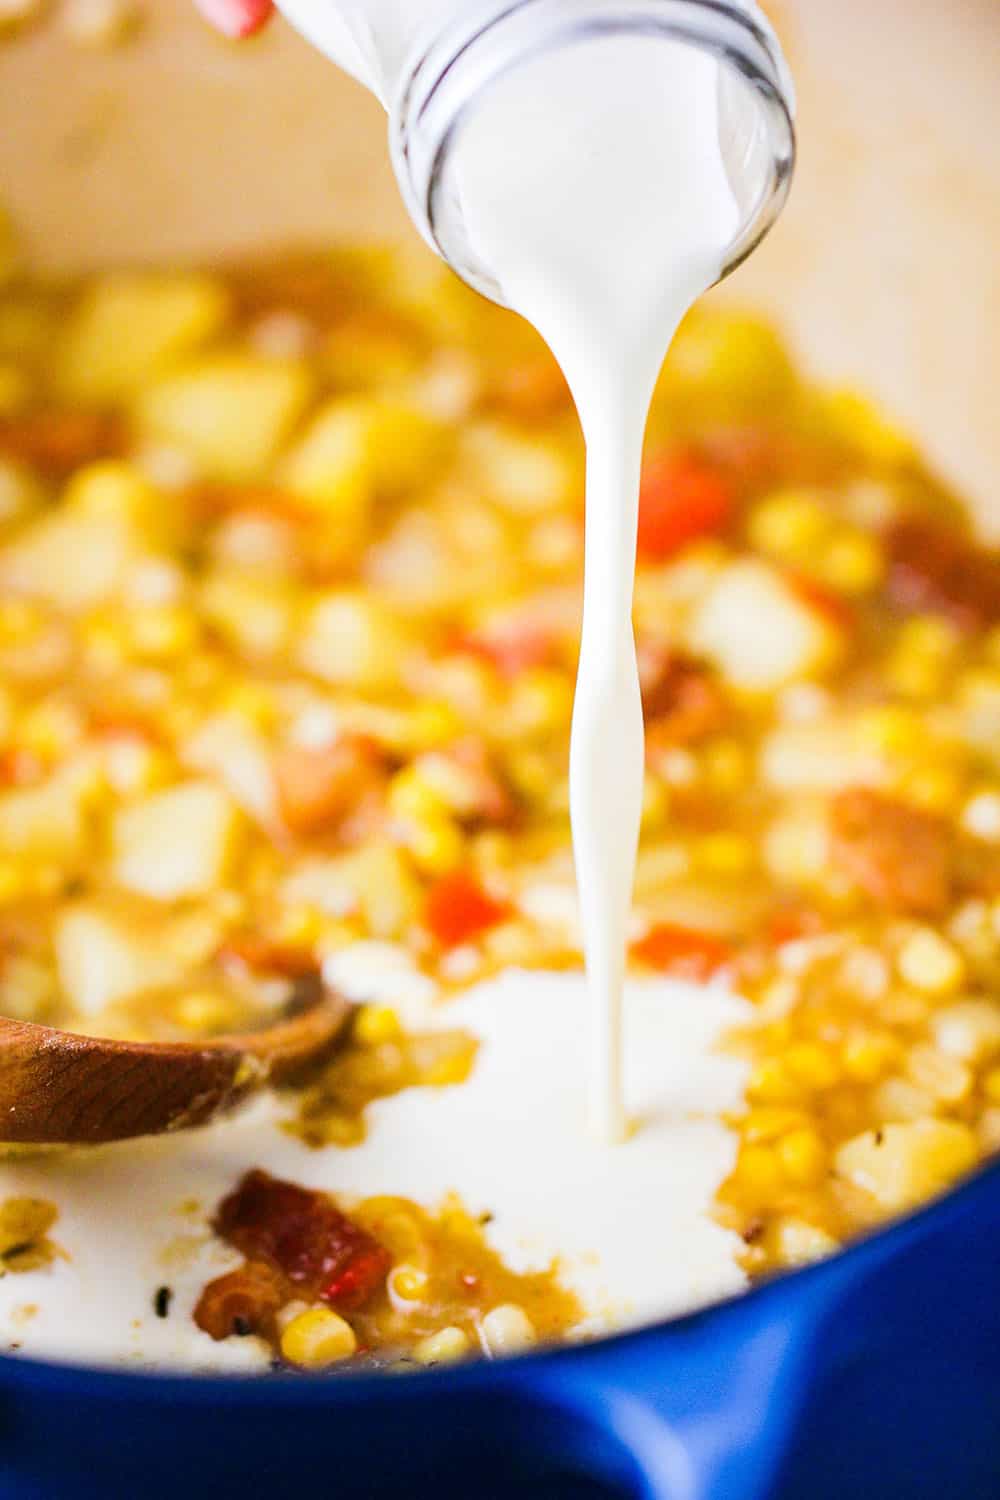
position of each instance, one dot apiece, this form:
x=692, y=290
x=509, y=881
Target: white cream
x=593, y=184
x=633, y=1229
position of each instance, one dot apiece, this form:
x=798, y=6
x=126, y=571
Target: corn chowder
x=289, y=608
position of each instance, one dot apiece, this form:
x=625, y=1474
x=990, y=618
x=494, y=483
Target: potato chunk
x=128, y=327
x=352, y=640
x=230, y=413
x=758, y=631
x=905, y=1163
x=100, y=960
x=180, y=842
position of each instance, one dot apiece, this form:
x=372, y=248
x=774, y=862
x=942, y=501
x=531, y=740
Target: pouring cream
x=596, y=167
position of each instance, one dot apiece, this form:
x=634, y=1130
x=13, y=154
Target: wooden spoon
x=60, y=1088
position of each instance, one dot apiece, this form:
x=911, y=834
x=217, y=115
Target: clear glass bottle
x=431, y=61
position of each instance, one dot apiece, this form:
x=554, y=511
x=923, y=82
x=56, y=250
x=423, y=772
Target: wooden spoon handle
x=60, y=1088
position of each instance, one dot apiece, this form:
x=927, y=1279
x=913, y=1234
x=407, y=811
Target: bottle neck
x=445, y=79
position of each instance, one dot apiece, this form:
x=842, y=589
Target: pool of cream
x=630, y=1224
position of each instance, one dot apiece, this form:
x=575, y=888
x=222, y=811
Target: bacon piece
x=251, y=950
x=683, y=952
x=246, y=1300
x=57, y=442
x=316, y=788
x=900, y=856
x=306, y=1237
x=459, y=910
x=682, y=698
x=938, y=568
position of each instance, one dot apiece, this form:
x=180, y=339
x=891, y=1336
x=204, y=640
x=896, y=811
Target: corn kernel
x=930, y=964
x=541, y=702
x=981, y=816
x=771, y=1083
x=866, y=1057
x=947, y=1080
x=853, y=562
x=413, y=797
x=163, y=632
x=13, y=882
x=407, y=1283
x=318, y=1338
x=814, y=1065
x=205, y=1011
x=767, y=1122
x=891, y=729
x=791, y=524
x=725, y=765
x=507, y=1330
x=968, y=1030
x=442, y=1348
x=375, y=1024
x=299, y=926
x=802, y=1156
x=758, y=1171
x=724, y=854
x=436, y=844
x=935, y=788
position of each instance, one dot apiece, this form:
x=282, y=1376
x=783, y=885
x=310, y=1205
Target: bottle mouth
x=445, y=80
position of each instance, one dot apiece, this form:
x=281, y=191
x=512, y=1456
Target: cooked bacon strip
x=900, y=856
x=682, y=698
x=57, y=442
x=938, y=568
x=305, y=1236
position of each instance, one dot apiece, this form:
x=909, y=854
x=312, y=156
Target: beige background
x=885, y=269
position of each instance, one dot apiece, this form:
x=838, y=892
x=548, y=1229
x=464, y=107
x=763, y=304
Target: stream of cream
x=593, y=184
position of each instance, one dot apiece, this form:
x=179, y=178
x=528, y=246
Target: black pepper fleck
x=162, y=1300
x=242, y=1327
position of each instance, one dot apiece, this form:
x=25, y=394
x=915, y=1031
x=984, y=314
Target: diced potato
x=375, y=882
x=129, y=326
x=180, y=842
x=758, y=631
x=362, y=447
x=525, y=473
x=71, y=561
x=353, y=640
x=822, y=756
x=230, y=413
x=101, y=960
x=46, y=821
x=903, y=1164
x=256, y=616
x=331, y=469
x=226, y=747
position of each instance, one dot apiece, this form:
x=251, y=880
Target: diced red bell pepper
x=683, y=952
x=682, y=498
x=459, y=910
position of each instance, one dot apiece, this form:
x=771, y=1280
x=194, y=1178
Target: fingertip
x=237, y=18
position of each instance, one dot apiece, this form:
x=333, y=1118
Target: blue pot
x=873, y=1375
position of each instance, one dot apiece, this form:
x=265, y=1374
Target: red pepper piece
x=683, y=953
x=458, y=909
x=682, y=498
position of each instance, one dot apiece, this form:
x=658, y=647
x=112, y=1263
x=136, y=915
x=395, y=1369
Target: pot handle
x=705, y=1409
x=711, y=1407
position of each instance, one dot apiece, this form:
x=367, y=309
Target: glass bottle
x=431, y=61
